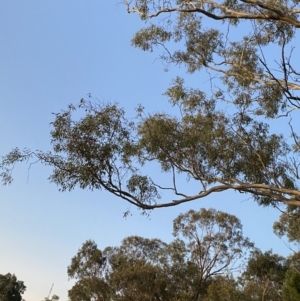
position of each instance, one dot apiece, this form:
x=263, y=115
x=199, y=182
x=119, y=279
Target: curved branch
x=275, y=14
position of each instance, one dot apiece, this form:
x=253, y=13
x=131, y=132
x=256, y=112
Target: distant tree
x=11, y=289
x=149, y=269
x=53, y=298
x=264, y=276
x=215, y=242
x=288, y=225
x=291, y=285
x=293, y=261
x=87, y=268
x=225, y=289
x=207, y=244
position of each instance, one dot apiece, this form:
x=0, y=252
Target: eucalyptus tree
x=11, y=289
x=288, y=225
x=291, y=285
x=207, y=248
x=87, y=268
x=135, y=271
x=225, y=288
x=215, y=242
x=264, y=276
x=221, y=134
x=167, y=273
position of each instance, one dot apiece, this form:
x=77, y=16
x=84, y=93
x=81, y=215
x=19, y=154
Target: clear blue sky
x=53, y=53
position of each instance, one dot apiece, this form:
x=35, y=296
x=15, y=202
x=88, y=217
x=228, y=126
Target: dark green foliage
x=11, y=289
x=264, y=276
x=291, y=287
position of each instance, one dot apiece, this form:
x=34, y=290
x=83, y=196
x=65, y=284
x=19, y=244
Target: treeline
x=208, y=260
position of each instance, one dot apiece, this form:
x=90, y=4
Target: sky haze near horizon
x=53, y=53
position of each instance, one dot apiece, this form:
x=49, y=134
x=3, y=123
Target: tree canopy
x=207, y=248
x=209, y=259
x=11, y=289
x=223, y=136
x=264, y=276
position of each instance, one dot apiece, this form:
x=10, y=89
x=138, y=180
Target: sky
x=53, y=53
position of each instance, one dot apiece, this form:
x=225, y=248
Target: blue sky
x=53, y=53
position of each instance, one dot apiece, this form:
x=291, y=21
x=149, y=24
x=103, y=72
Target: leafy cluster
x=222, y=136
x=203, y=262
x=11, y=289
